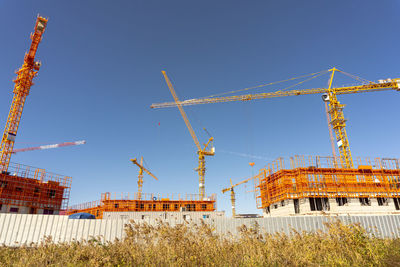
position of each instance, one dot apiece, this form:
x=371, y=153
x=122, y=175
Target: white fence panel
x=17, y=229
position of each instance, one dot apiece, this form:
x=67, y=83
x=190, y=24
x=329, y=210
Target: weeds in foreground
x=198, y=245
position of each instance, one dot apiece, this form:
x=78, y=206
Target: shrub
x=199, y=245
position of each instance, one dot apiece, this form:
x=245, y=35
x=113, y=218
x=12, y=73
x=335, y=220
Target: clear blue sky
x=102, y=63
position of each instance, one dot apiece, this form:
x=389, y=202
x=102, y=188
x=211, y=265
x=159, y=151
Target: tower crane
x=201, y=169
x=337, y=120
x=23, y=83
x=76, y=143
x=233, y=199
x=140, y=176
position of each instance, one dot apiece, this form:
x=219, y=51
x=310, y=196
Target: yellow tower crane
x=140, y=176
x=23, y=83
x=337, y=120
x=201, y=169
x=233, y=199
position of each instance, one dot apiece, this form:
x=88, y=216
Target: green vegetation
x=198, y=245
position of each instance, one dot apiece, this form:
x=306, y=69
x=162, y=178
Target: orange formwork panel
x=123, y=202
x=325, y=177
x=35, y=189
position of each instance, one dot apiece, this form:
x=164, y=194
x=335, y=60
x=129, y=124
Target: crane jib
x=335, y=116
x=373, y=87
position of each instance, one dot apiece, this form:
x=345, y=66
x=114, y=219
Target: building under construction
x=125, y=202
x=321, y=185
x=25, y=189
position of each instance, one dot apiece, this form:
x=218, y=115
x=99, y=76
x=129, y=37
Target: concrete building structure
x=333, y=206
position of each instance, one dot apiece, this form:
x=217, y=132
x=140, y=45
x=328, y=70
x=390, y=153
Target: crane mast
x=328, y=119
x=337, y=120
x=338, y=123
x=201, y=169
x=23, y=83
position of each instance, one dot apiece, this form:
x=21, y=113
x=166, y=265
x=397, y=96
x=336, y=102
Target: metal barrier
x=18, y=229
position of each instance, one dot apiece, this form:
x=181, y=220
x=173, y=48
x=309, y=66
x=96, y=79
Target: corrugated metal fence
x=18, y=229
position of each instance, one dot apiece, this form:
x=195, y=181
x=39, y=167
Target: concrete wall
x=353, y=207
x=18, y=229
x=22, y=210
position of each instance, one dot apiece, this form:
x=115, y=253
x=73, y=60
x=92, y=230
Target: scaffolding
x=25, y=189
x=325, y=177
x=118, y=202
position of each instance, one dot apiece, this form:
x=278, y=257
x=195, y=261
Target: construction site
x=302, y=185
x=199, y=133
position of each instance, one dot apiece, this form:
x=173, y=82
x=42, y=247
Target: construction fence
x=19, y=229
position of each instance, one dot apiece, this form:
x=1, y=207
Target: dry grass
x=197, y=245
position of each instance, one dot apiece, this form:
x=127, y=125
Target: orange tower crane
x=337, y=120
x=201, y=169
x=23, y=83
x=140, y=176
x=233, y=199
